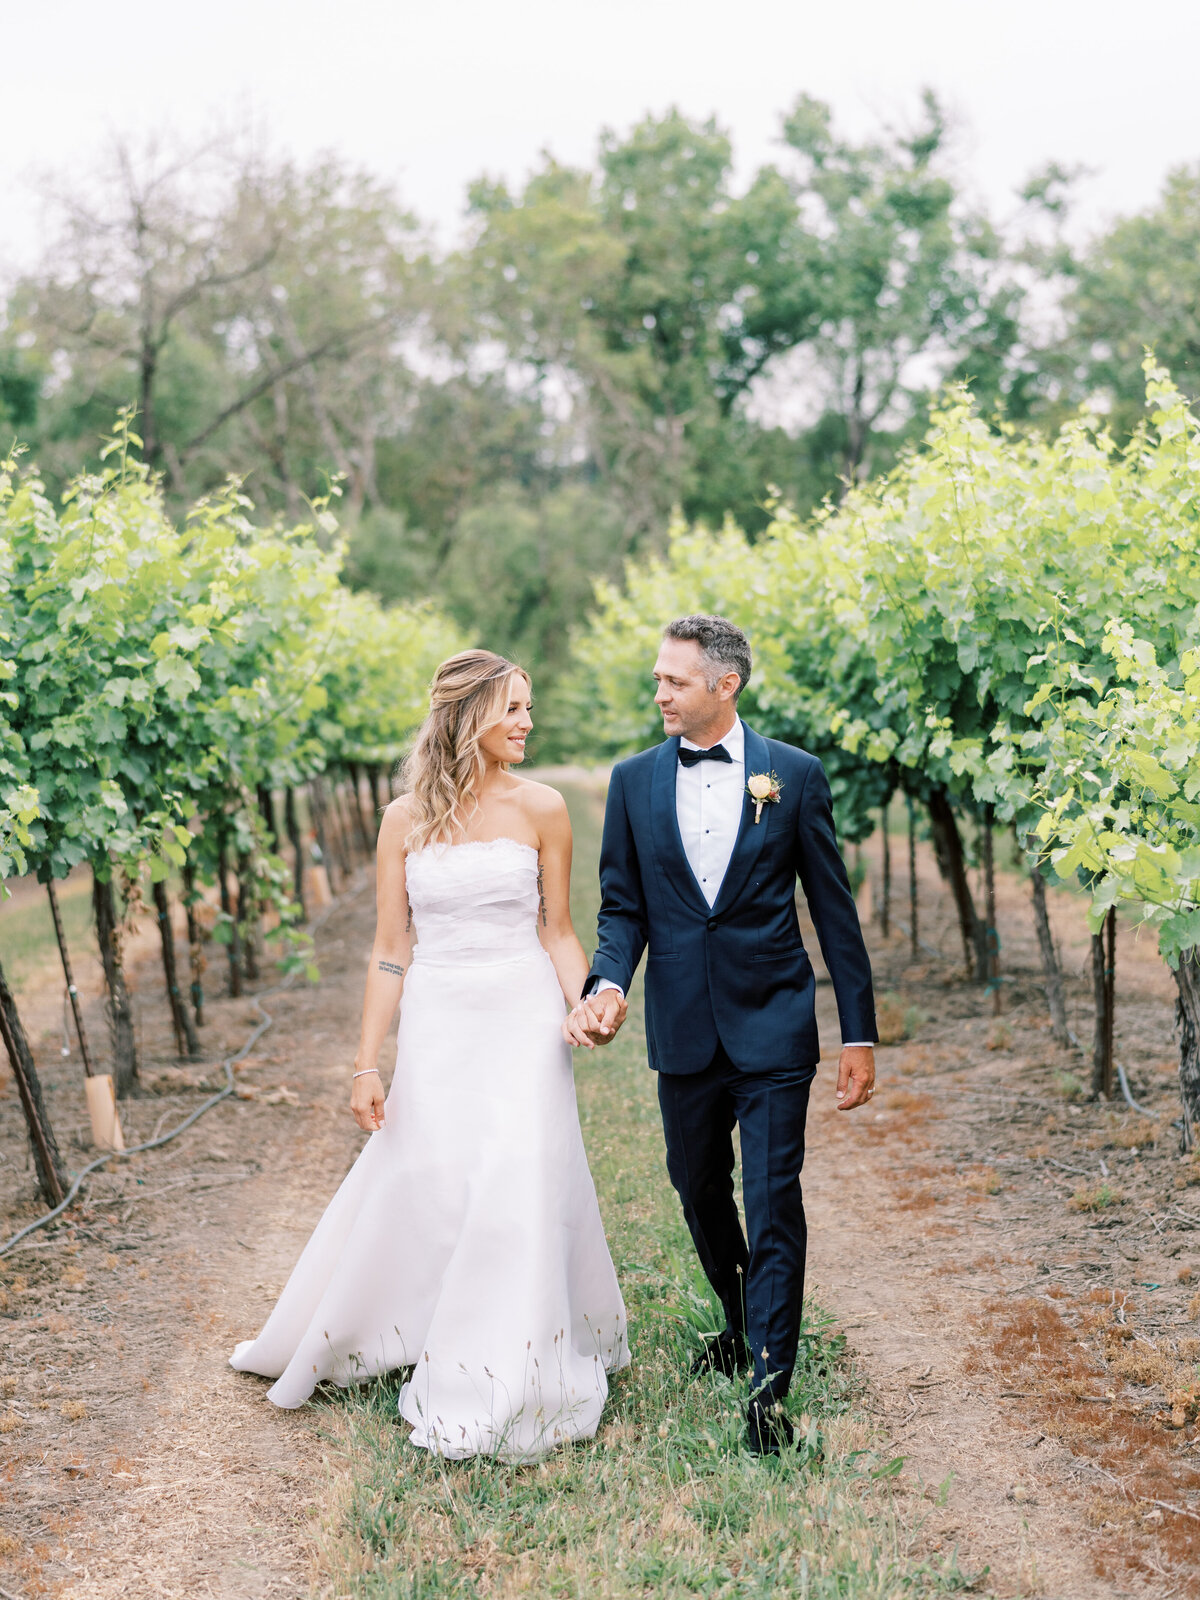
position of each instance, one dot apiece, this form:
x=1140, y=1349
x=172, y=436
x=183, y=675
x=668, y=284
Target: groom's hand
x=606, y=1011
x=856, y=1076
x=595, y=1020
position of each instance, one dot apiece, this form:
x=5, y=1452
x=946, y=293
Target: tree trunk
x=186, y=1039
x=885, y=897
x=234, y=947
x=379, y=791
x=247, y=912
x=316, y=805
x=365, y=840
x=89, y=1065
x=266, y=805
x=1110, y=1003
x=1187, y=1012
x=292, y=823
x=51, y=1175
x=991, y=945
x=1104, y=959
x=913, y=937
x=346, y=827
x=120, y=1010
x=365, y=834
x=947, y=844
x=195, y=940
x=1051, y=967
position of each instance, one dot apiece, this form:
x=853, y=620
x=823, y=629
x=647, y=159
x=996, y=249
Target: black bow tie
x=689, y=758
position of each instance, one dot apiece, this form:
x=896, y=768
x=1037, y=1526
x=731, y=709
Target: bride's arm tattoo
x=393, y=968
x=542, y=893
x=408, y=924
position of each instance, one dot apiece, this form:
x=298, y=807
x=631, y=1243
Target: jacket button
x=711, y=924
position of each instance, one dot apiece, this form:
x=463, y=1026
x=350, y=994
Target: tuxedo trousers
x=760, y=1283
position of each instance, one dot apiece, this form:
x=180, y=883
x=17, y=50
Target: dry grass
x=981, y=1180
x=1074, y=1357
x=896, y=1019
x=1096, y=1197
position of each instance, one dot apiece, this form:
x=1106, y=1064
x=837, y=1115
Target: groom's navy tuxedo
x=730, y=1021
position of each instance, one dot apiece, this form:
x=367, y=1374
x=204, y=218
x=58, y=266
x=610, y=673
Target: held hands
x=595, y=1020
x=856, y=1076
x=366, y=1101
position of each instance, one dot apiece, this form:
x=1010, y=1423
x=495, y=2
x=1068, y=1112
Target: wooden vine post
x=120, y=1010
x=947, y=844
x=992, y=934
x=247, y=916
x=316, y=806
x=1187, y=1012
x=885, y=898
x=187, y=1041
x=292, y=824
x=365, y=834
x=1104, y=989
x=195, y=940
x=101, y=1099
x=51, y=1175
x=1051, y=966
x=89, y=1066
x=234, y=946
x=913, y=936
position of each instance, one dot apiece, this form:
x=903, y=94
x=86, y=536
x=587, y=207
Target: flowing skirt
x=465, y=1242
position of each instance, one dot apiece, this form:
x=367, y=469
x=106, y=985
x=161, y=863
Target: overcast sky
x=433, y=94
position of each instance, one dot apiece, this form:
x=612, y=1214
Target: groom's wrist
x=601, y=985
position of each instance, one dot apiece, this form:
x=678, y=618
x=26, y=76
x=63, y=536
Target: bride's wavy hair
x=469, y=695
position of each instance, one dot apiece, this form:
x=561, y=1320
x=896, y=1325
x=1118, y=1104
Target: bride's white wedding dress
x=466, y=1242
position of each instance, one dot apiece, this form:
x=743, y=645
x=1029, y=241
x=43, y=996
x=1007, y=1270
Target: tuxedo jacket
x=736, y=973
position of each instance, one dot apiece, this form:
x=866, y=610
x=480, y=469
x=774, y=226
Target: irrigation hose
x=228, y=1063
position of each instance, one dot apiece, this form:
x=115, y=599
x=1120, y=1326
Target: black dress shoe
x=724, y=1352
x=768, y=1430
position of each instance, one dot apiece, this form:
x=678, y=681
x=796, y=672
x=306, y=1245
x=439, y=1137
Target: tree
x=249, y=311
x=1138, y=286
x=904, y=279
x=660, y=298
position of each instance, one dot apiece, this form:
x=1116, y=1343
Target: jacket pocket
x=791, y=952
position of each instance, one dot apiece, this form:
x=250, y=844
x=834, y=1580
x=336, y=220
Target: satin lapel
x=751, y=834
x=664, y=826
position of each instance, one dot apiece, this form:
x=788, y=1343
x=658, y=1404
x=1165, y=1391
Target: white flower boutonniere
x=763, y=788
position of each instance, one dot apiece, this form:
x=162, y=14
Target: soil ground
x=1011, y=1266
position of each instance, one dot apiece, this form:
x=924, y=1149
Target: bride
x=465, y=1244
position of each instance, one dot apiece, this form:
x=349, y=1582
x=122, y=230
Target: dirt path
x=136, y=1462
x=1019, y=1351
x=1009, y=1342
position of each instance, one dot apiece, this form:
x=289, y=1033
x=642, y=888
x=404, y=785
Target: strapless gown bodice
x=475, y=902
x=466, y=1243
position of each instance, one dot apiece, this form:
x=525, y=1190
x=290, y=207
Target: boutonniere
x=763, y=788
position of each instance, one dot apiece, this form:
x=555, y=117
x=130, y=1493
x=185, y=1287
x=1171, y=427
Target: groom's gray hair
x=723, y=646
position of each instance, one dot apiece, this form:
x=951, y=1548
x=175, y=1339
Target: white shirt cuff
x=607, y=983
x=858, y=1044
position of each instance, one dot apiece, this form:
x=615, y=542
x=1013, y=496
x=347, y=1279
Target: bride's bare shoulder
x=396, y=822
x=542, y=804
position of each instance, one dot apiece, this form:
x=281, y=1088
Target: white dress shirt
x=709, y=801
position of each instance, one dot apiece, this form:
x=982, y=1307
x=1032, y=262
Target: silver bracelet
x=364, y=1072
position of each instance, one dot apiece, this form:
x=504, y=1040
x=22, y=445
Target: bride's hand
x=366, y=1101
x=576, y=1025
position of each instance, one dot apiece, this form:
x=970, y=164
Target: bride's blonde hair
x=469, y=695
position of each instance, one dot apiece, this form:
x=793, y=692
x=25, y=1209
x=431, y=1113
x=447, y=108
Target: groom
x=704, y=837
